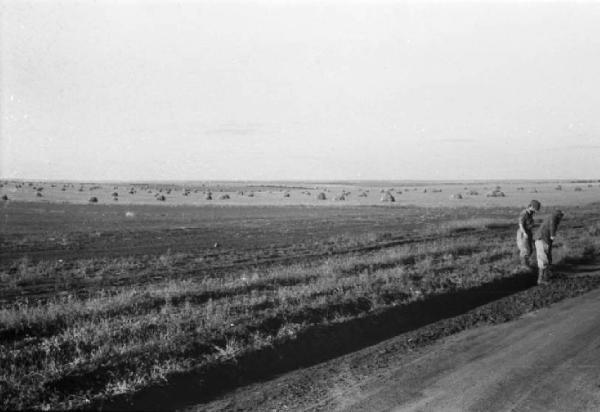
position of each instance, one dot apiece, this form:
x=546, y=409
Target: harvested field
x=100, y=304
x=368, y=193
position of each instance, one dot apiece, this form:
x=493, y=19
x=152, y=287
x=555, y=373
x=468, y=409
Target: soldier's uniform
x=543, y=244
x=524, y=236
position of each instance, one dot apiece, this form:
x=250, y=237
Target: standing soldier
x=524, y=233
x=543, y=245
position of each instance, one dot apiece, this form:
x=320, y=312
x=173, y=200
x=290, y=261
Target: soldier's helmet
x=535, y=205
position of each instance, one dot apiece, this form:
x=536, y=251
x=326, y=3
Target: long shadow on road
x=315, y=345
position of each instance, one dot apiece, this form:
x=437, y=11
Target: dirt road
x=546, y=361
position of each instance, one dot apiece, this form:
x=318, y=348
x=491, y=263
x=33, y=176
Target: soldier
x=524, y=233
x=543, y=245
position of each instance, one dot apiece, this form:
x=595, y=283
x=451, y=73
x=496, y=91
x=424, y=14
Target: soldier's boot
x=542, y=277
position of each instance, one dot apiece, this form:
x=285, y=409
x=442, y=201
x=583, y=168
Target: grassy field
x=83, y=320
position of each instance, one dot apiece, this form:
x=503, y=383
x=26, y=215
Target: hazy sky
x=299, y=90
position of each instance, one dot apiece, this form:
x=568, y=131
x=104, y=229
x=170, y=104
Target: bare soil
x=215, y=239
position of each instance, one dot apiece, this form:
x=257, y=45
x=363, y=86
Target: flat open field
x=442, y=194
x=144, y=303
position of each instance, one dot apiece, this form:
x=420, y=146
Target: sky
x=299, y=90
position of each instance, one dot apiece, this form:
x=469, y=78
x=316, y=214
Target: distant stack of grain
x=495, y=193
x=387, y=197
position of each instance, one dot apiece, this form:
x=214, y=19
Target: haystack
x=456, y=196
x=4, y=197
x=286, y=194
x=39, y=194
x=161, y=198
x=363, y=194
x=93, y=199
x=473, y=193
x=208, y=196
x=224, y=197
x=340, y=197
x=559, y=187
x=387, y=197
x=495, y=193
x=321, y=196
x=578, y=189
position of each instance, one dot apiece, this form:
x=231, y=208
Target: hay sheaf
x=388, y=197
x=495, y=193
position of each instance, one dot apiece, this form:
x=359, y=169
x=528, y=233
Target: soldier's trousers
x=524, y=243
x=543, y=253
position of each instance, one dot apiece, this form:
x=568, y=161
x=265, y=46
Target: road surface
x=548, y=360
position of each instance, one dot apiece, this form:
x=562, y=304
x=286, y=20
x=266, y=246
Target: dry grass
x=66, y=351
x=476, y=223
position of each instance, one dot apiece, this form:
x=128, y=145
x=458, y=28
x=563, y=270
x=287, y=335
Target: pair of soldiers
x=544, y=238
